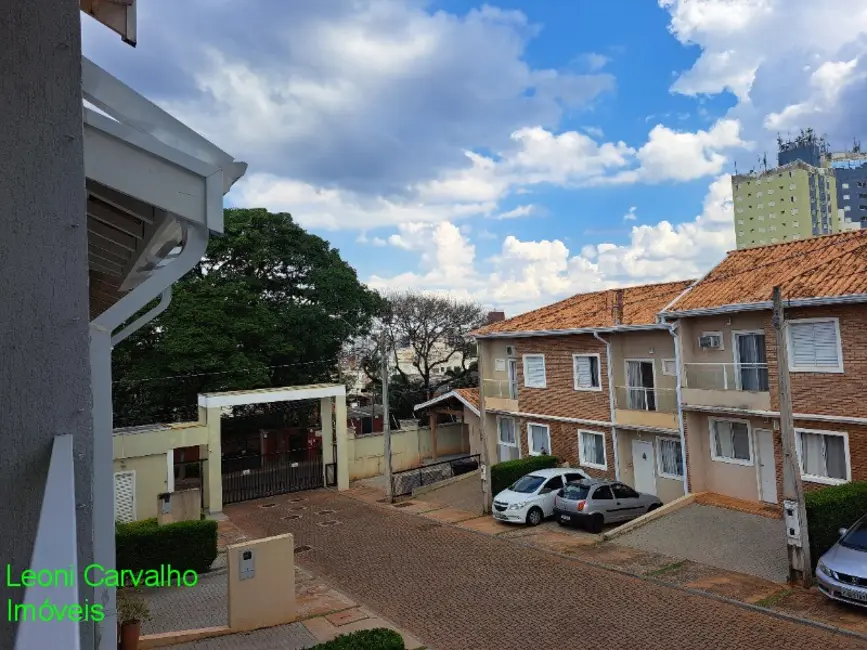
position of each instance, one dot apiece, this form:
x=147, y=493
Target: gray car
x=593, y=503
x=842, y=571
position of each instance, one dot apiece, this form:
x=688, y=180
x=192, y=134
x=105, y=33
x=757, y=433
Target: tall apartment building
x=811, y=192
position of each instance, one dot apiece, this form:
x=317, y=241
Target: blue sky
x=512, y=152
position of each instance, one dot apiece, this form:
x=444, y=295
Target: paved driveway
x=726, y=539
x=459, y=590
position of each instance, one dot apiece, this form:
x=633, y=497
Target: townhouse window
x=586, y=371
x=730, y=441
x=814, y=345
x=507, y=447
x=823, y=455
x=669, y=454
x=538, y=439
x=534, y=371
x=591, y=449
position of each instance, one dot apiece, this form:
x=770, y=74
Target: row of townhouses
x=673, y=388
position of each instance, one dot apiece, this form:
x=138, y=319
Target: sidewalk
x=774, y=598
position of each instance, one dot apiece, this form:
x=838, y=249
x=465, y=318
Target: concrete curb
x=667, y=509
x=661, y=583
x=424, y=489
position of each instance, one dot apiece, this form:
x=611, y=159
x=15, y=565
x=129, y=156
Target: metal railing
x=55, y=551
x=500, y=388
x=632, y=398
x=405, y=482
x=726, y=376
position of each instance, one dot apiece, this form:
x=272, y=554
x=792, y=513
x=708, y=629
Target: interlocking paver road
x=459, y=590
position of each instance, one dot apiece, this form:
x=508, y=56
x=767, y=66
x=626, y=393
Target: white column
x=342, y=451
x=326, y=417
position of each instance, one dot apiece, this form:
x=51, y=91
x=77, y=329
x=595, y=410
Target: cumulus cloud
x=630, y=216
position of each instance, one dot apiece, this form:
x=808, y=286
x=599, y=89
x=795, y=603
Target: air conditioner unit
x=510, y=351
x=710, y=342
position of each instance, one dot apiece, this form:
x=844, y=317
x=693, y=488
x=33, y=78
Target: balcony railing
x=631, y=398
x=500, y=388
x=55, y=550
x=751, y=377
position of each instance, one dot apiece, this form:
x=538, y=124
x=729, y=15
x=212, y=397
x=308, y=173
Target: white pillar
x=326, y=417
x=212, y=481
x=342, y=451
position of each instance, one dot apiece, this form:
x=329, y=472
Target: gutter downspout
x=101, y=341
x=672, y=329
x=611, y=402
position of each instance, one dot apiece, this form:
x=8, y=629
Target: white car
x=530, y=499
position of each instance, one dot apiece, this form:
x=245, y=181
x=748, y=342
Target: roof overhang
x=445, y=397
x=566, y=332
x=766, y=305
x=118, y=15
x=149, y=178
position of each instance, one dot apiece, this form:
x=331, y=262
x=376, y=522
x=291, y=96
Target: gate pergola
x=287, y=475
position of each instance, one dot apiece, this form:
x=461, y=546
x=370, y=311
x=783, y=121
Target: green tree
x=269, y=305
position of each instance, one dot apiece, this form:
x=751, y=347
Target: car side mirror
x=843, y=532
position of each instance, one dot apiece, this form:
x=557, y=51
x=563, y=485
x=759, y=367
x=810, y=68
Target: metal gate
x=257, y=476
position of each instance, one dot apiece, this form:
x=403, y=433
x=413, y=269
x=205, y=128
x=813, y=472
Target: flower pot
x=129, y=635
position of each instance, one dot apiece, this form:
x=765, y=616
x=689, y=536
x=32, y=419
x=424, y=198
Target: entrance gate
x=255, y=477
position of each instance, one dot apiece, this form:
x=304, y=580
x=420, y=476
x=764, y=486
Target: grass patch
x=668, y=568
x=773, y=599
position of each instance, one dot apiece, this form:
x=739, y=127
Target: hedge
x=379, y=638
x=506, y=473
x=830, y=509
x=185, y=545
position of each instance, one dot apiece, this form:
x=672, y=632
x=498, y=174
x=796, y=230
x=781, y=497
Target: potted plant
x=132, y=610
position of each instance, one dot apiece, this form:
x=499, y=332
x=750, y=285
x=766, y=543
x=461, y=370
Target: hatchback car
x=841, y=573
x=593, y=503
x=530, y=499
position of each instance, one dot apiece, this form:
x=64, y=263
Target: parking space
x=719, y=537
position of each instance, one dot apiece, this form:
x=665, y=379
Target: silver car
x=593, y=503
x=842, y=571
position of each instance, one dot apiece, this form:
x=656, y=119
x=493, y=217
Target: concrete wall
x=151, y=480
x=366, y=454
x=474, y=432
x=268, y=597
x=185, y=505
x=45, y=369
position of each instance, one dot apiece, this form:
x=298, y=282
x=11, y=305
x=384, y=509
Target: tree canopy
x=269, y=305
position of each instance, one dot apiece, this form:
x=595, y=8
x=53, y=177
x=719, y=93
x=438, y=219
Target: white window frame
x=659, y=470
x=581, y=460
x=598, y=372
x=673, y=363
x=500, y=418
x=823, y=369
x=530, y=438
x=731, y=461
x=525, y=358
x=825, y=480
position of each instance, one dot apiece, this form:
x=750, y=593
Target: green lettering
x=96, y=613
x=10, y=581
x=89, y=580
x=29, y=612
x=28, y=578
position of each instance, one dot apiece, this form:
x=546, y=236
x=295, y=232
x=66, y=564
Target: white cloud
x=528, y=274
x=594, y=132
x=520, y=211
x=630, y=216
x=595, y=61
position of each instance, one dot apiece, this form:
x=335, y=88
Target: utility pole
x=386, y=419
x=794, y=509
x=486, y=465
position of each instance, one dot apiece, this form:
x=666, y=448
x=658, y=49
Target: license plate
x=565, y=517
x=854, y=595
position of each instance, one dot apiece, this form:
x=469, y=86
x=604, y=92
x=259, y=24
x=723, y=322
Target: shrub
x=504, y=474
x=379, y=638
x=185, y=545
x=829, y=510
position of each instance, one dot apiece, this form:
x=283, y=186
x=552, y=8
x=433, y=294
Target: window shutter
x=814, y=345
x=534, y=371
x=583, y=372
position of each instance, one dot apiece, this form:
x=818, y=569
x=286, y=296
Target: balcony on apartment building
x=501, y=394
x=642, y=406
x=727, y=385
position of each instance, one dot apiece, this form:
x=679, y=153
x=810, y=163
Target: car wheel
x=534, y=517
x=595, y=523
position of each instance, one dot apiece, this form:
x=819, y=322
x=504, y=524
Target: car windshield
x=527, y=484
x=575, y=492
x=856, y=538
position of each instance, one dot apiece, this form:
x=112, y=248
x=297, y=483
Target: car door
x=627, y=502
x=548, y=492
x=602, y=502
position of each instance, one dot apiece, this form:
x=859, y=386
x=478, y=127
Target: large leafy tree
x=269, y=305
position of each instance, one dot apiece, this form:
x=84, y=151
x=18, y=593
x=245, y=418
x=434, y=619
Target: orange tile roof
x=471, y=395
x=819, y=267
x=593, y=310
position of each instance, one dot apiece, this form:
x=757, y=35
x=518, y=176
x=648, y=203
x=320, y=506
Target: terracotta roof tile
x=819, y=267
x=594, y=310
x=471, y=395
